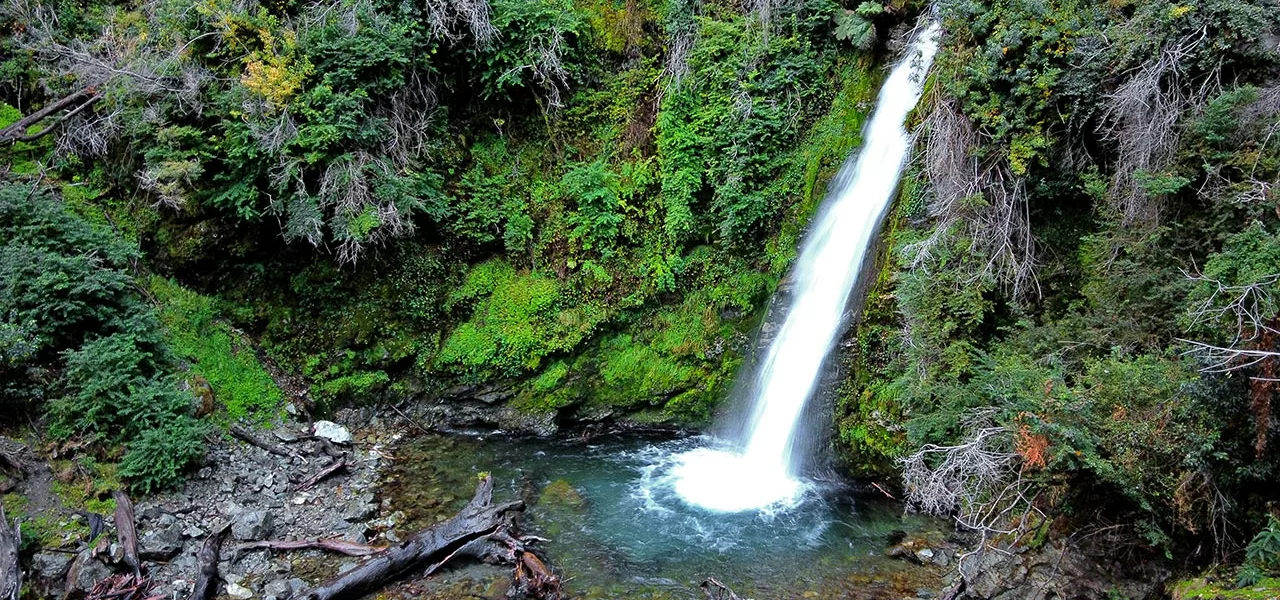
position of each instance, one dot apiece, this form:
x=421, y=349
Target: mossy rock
x=560, y=494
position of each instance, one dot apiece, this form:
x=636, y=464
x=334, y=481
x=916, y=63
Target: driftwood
x=206, y=586
x=127, y=532
x=247, y=437
x=320, y=475
x=332, y=545
x=717, y=591
x=10, y=573
x=434, y=546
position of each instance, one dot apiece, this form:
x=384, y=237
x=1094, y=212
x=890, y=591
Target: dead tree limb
x=333, y=467
x=332, y=545
x=480, y=518
x=17, y=131
x=10, y=573
x=247, y=437
x=127, y=531
x=717, y=591
x=206, y=586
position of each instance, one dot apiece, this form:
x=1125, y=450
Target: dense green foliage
x=588, y=203
x=80, y=336
x=1086, y=257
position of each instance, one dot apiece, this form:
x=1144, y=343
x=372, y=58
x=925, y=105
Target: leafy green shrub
x=157, y=458
x=1262, y=555
x=72, y=309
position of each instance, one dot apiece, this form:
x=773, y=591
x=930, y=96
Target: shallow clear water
x=619, y=530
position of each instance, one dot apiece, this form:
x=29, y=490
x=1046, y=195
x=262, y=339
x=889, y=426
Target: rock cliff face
x=1059, y=569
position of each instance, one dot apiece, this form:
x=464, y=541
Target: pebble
x=238, y=591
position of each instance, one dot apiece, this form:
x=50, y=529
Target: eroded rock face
x=1059, y=570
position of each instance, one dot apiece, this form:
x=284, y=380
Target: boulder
x=161, y=543
x=50, y=572
x=89, y=572
x=331, y=431
x=252, y=525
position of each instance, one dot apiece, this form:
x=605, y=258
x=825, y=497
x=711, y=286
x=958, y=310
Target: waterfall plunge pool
x=619, y=529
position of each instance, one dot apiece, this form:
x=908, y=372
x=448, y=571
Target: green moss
x=1205, y=589
x=518, y=320
x=222, y=356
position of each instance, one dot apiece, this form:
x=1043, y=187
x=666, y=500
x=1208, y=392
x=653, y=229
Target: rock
x=193, y=531
x=252, y=525
x=278, y=589
x=238, y=591
x=297, y=586
x=91, y=572
x=162, y=543
x=50, y=571
x=560, y=494
x=360, y=508
x=356, y=536
x=925, y=555
x=331, y=431
x=285, y=434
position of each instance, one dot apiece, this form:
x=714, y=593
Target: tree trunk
x=206, y=586
x=434, y=546
x=127, y=532
x=10, y=570
x=18, y=130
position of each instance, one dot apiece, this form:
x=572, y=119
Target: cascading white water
x=761, y=475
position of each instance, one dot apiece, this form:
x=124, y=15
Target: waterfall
x=761, y=474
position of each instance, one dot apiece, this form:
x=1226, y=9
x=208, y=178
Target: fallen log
x=332, y=468
x=247, y=437
x=127, y=532
x=433, y=546
x=10, y=573
x=206, y=586
x=332, y=545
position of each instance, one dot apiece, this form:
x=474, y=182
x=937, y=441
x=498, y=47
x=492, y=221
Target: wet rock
x=251, y=525
x=332, y=431
x=162, y=543
x=561, y=494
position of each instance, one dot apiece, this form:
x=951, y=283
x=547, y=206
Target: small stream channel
x=618, y=530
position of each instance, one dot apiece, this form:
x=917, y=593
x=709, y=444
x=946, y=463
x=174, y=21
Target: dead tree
x=111, y=69
x=10, y=571
x=978, y=481
x=1141, y=118
x=974, y=198
x=431, y=548
x=206, y=587
x=127, y=532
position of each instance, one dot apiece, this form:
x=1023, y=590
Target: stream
x=619, y=530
